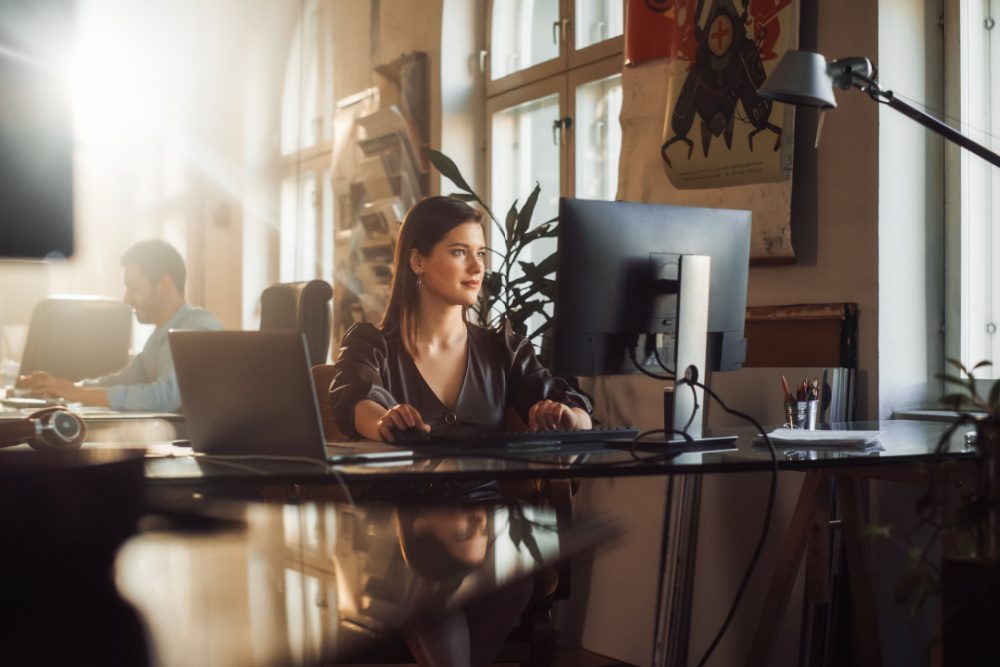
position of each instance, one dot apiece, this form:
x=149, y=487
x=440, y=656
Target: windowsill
x=932, y=414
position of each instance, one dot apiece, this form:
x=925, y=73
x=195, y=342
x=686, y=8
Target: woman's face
x=453, y=272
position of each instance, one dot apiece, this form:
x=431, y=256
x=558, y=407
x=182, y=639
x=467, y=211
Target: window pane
x=300, y=104
x=598, y=20
x=298, y=228
x=523, y=35
x=525, y=152
x=598, y=138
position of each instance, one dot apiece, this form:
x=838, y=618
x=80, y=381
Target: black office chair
x=77, y=337
x=303, y=307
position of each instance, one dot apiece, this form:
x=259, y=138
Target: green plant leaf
x=543, y=231
x=957, y=364
x=511, y=222
x=524, y=217
x=994, y=396
x=955, y=401
x=982, y=364
x=461, y=196
x=951, y=379
x=874, y=530
x=447, y=167
x=535, y=272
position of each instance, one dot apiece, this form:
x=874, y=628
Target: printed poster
x=717, y=131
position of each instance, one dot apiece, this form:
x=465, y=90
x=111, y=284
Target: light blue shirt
x=148, y=382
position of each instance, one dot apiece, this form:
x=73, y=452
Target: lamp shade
x=800, y=77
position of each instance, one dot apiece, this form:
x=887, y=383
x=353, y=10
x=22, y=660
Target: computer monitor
x=613, y=259
x=654, y=288
x=36, y=137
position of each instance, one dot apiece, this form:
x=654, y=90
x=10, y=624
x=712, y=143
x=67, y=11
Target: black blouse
x=501, y=371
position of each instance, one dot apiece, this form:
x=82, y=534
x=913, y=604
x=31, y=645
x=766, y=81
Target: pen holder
x=802, y=414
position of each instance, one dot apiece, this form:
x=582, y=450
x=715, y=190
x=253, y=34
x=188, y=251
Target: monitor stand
x=684, y=405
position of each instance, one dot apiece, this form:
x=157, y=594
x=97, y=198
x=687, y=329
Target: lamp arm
x=946, y=131
x=928, y=121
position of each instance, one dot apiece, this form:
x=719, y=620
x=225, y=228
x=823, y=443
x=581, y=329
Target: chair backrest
x=78, y=337
x=304, y=307
x=322, y=376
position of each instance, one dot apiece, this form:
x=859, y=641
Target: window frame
x=569, y=56
x=972, y=213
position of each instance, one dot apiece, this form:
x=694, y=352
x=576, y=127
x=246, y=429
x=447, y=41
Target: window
x=975, y=301
x=554, y=94
x=306, y=206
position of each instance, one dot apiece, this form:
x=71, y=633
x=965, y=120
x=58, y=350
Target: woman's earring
x=419, y=280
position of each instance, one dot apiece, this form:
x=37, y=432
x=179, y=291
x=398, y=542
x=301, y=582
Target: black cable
x=656, y=354
x=697, y=407
x=635, y=362
x=767, y=515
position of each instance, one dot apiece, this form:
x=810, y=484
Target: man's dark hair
x=156, y=258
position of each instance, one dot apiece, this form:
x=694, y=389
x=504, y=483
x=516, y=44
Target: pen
x=784, y=387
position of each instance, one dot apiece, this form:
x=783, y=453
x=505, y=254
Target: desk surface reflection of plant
x=516, y=290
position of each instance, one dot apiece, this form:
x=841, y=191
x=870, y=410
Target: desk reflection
x=310, y=583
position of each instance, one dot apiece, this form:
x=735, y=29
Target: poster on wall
x=717, y=131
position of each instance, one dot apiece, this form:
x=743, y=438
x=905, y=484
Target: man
x=154, y=288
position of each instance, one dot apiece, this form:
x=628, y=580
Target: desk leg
x=863, y=602
x=785, y=571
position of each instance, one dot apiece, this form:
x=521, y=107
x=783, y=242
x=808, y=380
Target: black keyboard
x=517, y=439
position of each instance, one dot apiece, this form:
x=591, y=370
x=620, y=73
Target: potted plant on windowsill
x=968, y=578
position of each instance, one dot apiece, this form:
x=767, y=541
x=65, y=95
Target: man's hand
x=552, y=416
x=42, y=384
x=33, y=380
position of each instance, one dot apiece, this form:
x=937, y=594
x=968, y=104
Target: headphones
x=46, y=430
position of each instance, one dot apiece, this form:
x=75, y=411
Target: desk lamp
x=804, y=78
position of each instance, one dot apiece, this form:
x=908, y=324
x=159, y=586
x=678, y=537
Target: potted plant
x=968, y=578
x=516, y=290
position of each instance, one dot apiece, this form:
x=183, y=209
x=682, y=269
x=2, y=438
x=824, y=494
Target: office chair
x=303, y=306
x=77, y=337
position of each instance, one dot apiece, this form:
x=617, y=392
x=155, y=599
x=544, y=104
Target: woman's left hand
x=553, y=416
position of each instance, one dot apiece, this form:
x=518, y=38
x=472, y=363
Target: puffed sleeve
x=529, y=382
x=358, y=375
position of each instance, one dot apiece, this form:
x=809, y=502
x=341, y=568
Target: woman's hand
x=399, y=418
x=553, y=416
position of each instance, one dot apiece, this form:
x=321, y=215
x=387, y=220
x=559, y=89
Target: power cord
x=767, y=512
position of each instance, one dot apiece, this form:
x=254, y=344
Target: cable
x=767, y=514
x=656, y=355
x=631, y=355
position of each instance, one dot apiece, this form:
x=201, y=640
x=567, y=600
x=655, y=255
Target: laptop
x=250, y=393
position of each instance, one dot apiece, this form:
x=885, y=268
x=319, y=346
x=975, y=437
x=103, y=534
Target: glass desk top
x=312, y=583
x=900, y=442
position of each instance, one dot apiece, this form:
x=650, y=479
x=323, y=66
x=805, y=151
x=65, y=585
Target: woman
x=426, y=366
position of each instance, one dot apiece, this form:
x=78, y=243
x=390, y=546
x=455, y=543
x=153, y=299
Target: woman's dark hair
x=424, y=552
x=425, y=224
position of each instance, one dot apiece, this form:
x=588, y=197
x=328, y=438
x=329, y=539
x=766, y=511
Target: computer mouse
x=411, y=434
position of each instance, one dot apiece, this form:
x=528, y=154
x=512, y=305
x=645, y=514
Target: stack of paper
x=799, y=437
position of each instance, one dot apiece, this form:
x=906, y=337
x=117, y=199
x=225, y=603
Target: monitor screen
x=612, y=260
x=36, y=138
